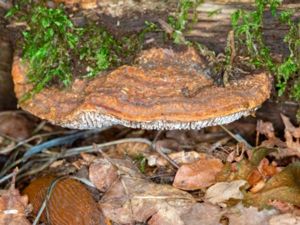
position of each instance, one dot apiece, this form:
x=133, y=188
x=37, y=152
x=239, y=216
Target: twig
x=236, y=137
x=90, y=148
x=166, y=157
x=25, y=142
x=69, y=139
x=159, y=149
x=17, y=24
x=5, y=178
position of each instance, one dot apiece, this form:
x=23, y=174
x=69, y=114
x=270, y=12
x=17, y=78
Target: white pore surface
x=92, y=120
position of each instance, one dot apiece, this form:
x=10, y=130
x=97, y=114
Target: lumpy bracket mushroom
x=153, y=93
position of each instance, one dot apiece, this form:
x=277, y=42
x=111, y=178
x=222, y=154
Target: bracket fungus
x=163, y=89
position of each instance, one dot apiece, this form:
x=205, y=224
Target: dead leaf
x=285, y=219
x=166, y=216
x=133, y=200
x=290, y=133
x=265, y=128
x=13, y=207
x=102, y=174
x=284, y=186
x=266, y=169
x=223, y=191
x=240, y=215
x=289, y=127
x=254, y=177
x=204, y=213
x=198, y=175
x=182, y=157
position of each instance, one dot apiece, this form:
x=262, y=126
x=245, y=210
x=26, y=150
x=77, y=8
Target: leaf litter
x=132, y=182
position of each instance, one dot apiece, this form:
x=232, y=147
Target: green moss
x=180, y=20
x=248, y=28
x=52, y=43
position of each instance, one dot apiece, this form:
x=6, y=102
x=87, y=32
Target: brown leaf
x=13, y=207
x=254, y=177
x=265, y=128
x=241, y=215
x=133, y=199
x=198, y=175
x=289, y=127
x=69, y=203
x=166, y=216
x=284, y=186
x=102, y=174
x=182, y=157
x=267, y=169
x=223, y=191
x=204, y=213
x=136, y=200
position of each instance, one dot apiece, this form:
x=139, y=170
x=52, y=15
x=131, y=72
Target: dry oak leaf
x=13, y=207
x=103, y=174
x=223, y=191
x=197, y=175
x=283, y=186
x=203, y=213
x=132, y=200
x=240, y=215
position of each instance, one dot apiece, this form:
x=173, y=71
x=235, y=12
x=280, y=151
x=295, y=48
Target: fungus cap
x=164, y=89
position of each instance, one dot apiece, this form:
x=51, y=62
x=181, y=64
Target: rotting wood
x=212, y=28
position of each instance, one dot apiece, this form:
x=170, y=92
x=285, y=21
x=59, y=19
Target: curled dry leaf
x=13, y=207
x=133, y=200
x=204, y=213
x=265, y=128
x=198, y=175
x=291, y=133
x=284, y=186
x=70, y=202
x=223, y=191
x=264, y=171
x=285, y=219
x=102, y=174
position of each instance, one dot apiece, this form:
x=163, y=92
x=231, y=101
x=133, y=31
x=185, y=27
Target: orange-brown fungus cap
x=164, y=89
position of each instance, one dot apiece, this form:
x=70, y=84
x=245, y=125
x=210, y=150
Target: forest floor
x=243, y=173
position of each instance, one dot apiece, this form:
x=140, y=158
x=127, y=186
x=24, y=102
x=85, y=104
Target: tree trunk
x=214, y=24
